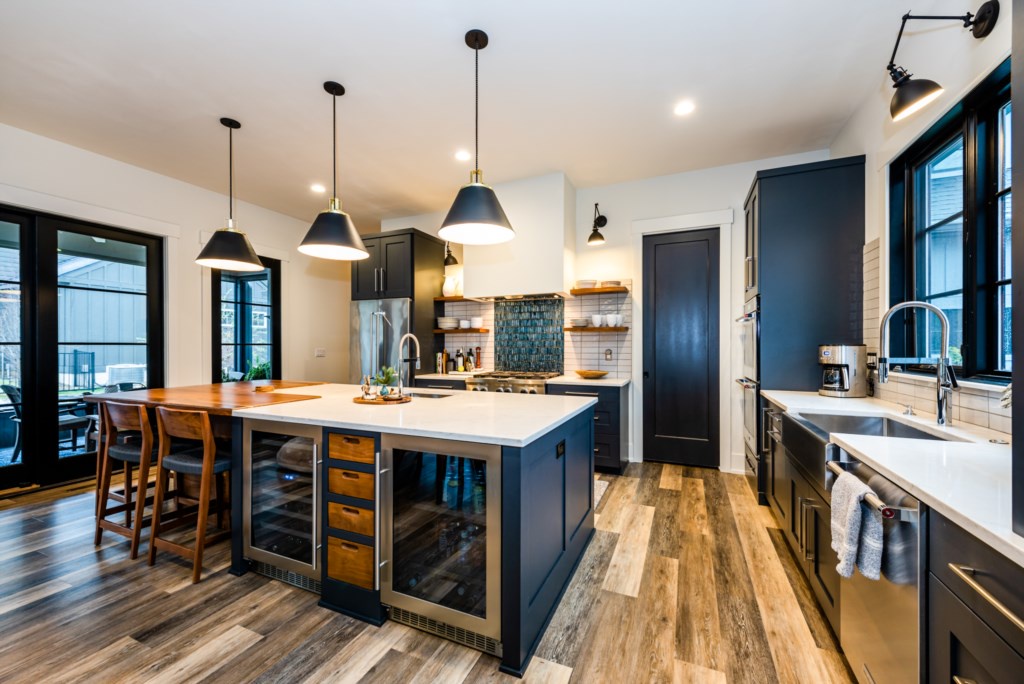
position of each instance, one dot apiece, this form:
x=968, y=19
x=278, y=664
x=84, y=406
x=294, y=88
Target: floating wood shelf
x=617, y=329
x=462, y=331
x=457, y=298
x=598, y=291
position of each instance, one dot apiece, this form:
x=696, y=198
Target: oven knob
x=524, y=391
x=532, y=391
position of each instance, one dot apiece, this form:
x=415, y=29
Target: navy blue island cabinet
x=472, y=541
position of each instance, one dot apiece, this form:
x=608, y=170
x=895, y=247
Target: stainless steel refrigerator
x=377, y=327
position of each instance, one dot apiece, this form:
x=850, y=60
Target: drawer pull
x=957, y=679
x=350, y=440
x=350, y=511
x=349, y=476
x=597, y=451
x=966, y=574
x=583, y=394
x=596, y=419
x=349, y=546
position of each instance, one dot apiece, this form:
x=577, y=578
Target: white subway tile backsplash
x=1000, y=423
x=973, y=417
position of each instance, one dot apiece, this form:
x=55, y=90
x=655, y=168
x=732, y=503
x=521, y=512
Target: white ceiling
x=583, y=86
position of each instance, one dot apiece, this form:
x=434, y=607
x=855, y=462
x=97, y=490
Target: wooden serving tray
x=379, y=402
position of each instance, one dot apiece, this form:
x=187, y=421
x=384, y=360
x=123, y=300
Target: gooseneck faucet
x=401, y=345
x=945, y=379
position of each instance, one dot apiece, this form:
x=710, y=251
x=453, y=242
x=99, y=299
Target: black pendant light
x=476, y=216
x=599, y=222
x=228, y=249
x=912, y=94
x=333, y=235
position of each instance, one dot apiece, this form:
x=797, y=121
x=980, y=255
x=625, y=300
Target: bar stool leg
x=158, y=504
x=140, y=505
x=204, y=508
x=102, y=496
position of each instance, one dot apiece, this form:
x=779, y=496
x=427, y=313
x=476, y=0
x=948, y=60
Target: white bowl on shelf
x=476, y=322
x=464, y=324
x=597, y=320
x=586, y=284
x=611, y=283
x=579, y=322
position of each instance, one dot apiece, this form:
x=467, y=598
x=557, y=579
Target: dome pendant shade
x=912, y=95
x=333, y=235
x=595, y=238
x=229, y=250
x=476, y=218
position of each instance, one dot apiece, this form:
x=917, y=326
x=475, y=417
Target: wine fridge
x=441, y=537
x=280, y=527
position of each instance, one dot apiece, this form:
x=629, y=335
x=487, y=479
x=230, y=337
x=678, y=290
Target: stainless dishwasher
x=880, y=619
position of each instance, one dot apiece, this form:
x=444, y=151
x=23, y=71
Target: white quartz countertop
x=968, y=481
x=569, y=379
x=505, y=419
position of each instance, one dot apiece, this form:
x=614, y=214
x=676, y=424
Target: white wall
x=942, y=52
x=47, y=175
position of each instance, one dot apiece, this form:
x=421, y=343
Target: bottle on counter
x=439, y=363
x=444, y=361
x=460, y=361
x=470, y=359
x=479, y=359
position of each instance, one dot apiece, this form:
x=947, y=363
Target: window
x=246, y=323
x=950, y=237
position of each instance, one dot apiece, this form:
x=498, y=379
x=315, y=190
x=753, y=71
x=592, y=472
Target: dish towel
x=856, y=530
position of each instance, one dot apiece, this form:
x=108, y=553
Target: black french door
x=80, y=312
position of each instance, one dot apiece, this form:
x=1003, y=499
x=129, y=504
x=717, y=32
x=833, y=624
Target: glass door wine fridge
x=280, y=528
x=441, y=537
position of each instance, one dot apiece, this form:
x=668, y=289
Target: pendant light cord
x=231, y=176
x=334, y=144
x=476, y=107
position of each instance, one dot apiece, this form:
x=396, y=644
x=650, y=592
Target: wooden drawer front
x=350, y=483
x=350, y=518
x=995, y=573
x=350, y=562
x=961, y=645
x=351, y=448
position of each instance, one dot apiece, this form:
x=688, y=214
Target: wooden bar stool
x=121, y=421
x=203, y=460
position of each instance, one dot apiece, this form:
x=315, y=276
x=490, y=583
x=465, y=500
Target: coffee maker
x=844, y=370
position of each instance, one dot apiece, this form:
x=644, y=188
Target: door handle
x=583, y=394
x=383, y=279
x=966, y=574
x=376, y=287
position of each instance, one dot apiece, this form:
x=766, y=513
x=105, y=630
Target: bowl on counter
x=586, y=284
x=579, y=322
x=591, y=374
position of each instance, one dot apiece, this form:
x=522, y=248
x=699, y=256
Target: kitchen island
x=460, y=513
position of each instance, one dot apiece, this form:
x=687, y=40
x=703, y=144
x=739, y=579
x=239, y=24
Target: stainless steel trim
x=957, y=679
x=376, y=288
x=965, y=572
x=317, y=462
x=584, y=394
x=383, y=279
x=313, y=432
x=901, y=513
x=376, y=517
x=489, y=626
x=775, y=434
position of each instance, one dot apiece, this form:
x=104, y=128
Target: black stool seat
x=190, y=462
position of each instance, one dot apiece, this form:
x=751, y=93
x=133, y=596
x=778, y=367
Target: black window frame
x=976, y=118
x=274, y=266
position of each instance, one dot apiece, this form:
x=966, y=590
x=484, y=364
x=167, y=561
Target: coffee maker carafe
x=844, y=371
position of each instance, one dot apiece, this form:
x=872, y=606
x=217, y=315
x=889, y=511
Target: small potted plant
x=384, y=379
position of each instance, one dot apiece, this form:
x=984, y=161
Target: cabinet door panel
x=396, y=266
x=822, y=561
x=365, y=278
x=961, y=645
x=543, y=517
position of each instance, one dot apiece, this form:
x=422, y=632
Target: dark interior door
x=680, y=361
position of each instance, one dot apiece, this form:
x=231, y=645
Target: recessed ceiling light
x=684, y=107
x=463, y=155
x=318, y=188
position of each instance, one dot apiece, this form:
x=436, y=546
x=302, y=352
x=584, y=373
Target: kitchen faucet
x=945, y=379
x=410, y=359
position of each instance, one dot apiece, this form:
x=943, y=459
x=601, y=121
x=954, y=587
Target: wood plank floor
x=686, y=580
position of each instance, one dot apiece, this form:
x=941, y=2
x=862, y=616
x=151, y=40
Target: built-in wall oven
x=441, y=537
x=280, y=500
x=749, y=322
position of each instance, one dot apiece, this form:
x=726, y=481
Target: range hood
x=539, y=262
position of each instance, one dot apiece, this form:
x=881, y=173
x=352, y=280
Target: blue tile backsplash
x=529, y=335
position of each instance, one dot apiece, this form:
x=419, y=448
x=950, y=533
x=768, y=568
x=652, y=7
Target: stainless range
x=511, y=382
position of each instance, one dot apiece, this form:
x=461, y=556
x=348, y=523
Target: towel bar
x=900, y=513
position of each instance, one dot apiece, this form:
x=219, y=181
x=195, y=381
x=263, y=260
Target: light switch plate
x=320, y=352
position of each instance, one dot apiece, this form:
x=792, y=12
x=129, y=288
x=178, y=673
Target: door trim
x=729, y=400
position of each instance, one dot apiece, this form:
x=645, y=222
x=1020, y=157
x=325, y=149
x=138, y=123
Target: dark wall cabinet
x=972, y=592
x=611, y=422
x=389, y=271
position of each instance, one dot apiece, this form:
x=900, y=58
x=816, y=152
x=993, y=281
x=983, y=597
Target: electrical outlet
x=607, y=354
x=319, y=352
